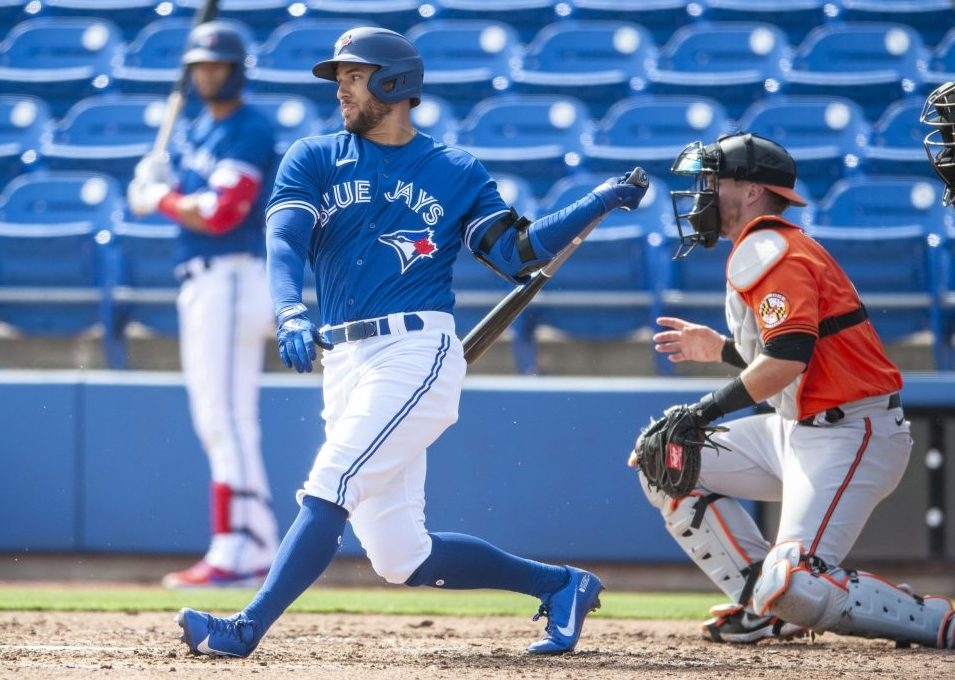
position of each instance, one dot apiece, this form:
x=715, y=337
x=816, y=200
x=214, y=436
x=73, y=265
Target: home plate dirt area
x=137, y=646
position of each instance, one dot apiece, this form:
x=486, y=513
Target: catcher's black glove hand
x=668, y=451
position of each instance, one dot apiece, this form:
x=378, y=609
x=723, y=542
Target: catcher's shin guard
x=858, y=603
x=699, y=526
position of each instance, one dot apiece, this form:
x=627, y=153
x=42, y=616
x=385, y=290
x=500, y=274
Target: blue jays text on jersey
x=387, y=223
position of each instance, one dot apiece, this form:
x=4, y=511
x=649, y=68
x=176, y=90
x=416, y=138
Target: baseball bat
x=488, y=329
x=177, y=98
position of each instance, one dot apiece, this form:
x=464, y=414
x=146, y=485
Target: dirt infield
x=141, y=646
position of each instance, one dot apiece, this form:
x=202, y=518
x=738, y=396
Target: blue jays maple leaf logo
x=411, y=245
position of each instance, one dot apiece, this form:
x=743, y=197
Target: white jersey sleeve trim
x=292, y=205
x=754, y=257
x=227, y=169
x=478, y=223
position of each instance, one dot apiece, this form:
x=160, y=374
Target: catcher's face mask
x=939, y=113
x=699, y=206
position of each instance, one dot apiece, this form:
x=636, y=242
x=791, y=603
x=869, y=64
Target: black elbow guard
x=492, y=251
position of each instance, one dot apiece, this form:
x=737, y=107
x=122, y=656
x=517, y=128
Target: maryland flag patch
x=773, y=310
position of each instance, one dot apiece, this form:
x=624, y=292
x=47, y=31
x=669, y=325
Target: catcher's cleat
x=212, y=636
x=731, y=623
x=566, y=610
x=204, y=575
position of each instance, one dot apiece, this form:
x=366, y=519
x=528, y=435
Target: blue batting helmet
x=400, y=71
x=219, y=42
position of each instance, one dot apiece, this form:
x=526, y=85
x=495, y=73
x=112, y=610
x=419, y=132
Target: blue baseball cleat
x=207, y=634
x=565, y=611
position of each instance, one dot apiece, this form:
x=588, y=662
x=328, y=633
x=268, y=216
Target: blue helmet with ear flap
x=400, y=73
x=217, y=41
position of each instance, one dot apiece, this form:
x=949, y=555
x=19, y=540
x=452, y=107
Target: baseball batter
x=837, y=443
x=216, y=194
x=380, y=212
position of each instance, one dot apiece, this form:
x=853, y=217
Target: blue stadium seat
x=143, y=290
x=895, y=145
x=652, y=131
x=517, y=192
x=466, y=60
x=105, y=133
x=51, y=280
x=292, y=116
x=526, y=16
x=662, y=17
x=943, y=322
x=150, y=61
x=866, y=223
x=931, y=18
x=283, y=64
x=804, y=216
x=398, y=15
x=825, y=135
x=535, y=136
x=795, y=17
x=435, y=116
x=606, y=289
x=61, y=59
x=259, y=16
x=735, y=62
x=23, y=120
x=871, y=63
x=598, y=61
x=12, y=11
x=691, y=288
x=941, y=64
x=128, y=15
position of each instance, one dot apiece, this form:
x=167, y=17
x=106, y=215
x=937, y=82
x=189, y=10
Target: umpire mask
x=697, y=209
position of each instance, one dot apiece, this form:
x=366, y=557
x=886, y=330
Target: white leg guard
x=700, y=528
x=858, y=603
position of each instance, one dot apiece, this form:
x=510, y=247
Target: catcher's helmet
x=742, y=156
x=219, y=42
x=400, y=71
x=939, y=113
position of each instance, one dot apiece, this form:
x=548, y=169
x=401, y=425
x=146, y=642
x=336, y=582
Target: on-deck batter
x=838, y=442
x=218, y=198
x=380, y=212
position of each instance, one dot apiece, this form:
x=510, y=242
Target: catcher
x=836, y=445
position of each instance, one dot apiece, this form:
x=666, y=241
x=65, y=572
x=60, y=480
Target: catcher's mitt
x=669, y=450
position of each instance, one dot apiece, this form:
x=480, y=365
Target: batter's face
x=208, y=77
x=362, y=112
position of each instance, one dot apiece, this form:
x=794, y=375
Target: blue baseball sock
x=305, y=552
x=462, y=562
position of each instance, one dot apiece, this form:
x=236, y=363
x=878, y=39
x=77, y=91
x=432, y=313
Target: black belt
x=835, y=414
x=368, y=328
x=186, y=270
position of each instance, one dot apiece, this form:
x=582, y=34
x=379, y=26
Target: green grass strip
x=417, y=601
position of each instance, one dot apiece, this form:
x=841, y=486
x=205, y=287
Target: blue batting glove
x=623, y=192
x=296, y=335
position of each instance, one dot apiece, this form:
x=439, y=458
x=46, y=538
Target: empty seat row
x=64, y=59
x=796, y=17
x=540, y=137
x=71, y=259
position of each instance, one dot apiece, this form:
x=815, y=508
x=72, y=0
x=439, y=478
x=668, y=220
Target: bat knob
x=638, y=177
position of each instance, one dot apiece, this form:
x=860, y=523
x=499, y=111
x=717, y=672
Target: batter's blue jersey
x=244, y=142
x=389, y=221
